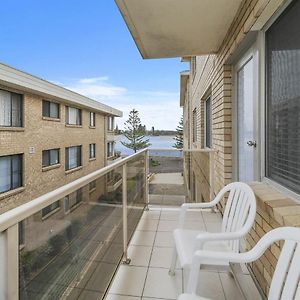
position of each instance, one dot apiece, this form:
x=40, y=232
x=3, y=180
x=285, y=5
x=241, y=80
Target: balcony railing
x=71, y=240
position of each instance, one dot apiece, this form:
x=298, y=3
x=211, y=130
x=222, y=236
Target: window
x=283, y=99
x=195, y=125
x=92, y=119
x=72, y=200
x=110, y=149
x=73, y=157
x=50, y=208
x=92, y=185
x=110, y=123
x=208, y=127
x=50, y=109
x=10, y=172
x=10, y=109
x=92, y=151
x=73, y=116
x=50, y=157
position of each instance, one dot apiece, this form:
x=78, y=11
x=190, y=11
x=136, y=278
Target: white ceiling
x=174, y=28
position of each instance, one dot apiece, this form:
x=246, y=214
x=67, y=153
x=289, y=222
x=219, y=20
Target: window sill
x=92, y=127
x=50, y=213
x=92, y=159
x=12, y=192
x=75, y=206
x=273, y=204
x=92, y=190
x=48, y=168
x=73, y=126
x=73, y=170
x=16, y=129
x=51, y=119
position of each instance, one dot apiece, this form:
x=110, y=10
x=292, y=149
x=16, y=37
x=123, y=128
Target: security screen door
x=245, y=125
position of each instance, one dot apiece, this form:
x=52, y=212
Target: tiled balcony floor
x=150, y=251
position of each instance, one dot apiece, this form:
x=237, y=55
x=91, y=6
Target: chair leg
x=193, y=278
x=173, y=263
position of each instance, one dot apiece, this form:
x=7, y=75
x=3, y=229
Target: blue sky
x=86, y=46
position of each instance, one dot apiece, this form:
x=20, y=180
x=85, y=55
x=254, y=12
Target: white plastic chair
x=237, y=221
x=285, y=283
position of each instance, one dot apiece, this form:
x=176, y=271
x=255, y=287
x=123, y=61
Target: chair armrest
x=211, y=204
x=219, y=236
x=275, y=235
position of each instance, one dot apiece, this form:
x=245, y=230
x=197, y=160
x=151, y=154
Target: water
x=157, y=142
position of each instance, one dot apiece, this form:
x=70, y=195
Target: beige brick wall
x=43, y=134
x=212, y=73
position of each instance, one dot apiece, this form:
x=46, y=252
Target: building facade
x=243, y=103
x=240, y=100
x=49, y=136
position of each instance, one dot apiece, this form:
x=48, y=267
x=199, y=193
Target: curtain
x=5, y=108
x=5, y=174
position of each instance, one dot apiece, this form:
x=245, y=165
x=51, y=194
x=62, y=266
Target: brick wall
x=213, y=73
x=44, y=134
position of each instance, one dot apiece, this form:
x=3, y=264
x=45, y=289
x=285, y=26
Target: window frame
x=50, y=150
x=110, y=123
x=68, y=116
x=78, y=157
x=92, y=149
x=44, y=101
x=21, y=174
x=50, y=209
x=208, y=98
x=263, y=117
x=21, y=106
x=92, y=119
x=112, y=152
x=194, y=126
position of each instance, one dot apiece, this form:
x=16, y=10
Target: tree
x=179, y=135
x=135, y=132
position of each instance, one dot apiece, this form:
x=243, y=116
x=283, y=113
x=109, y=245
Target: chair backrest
x=240, y=210
x=285, y=283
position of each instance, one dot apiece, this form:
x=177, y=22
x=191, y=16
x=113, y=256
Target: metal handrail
x=18, y=214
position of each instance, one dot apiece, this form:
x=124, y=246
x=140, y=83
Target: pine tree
x=179, y=135
x=135, y=132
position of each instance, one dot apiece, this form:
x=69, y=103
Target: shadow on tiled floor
x=151, y=249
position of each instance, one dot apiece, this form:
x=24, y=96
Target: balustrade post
x=9, y=263
x=146, y=180
x=126, y=259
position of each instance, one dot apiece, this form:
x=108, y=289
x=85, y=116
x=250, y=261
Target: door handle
x=252, y=144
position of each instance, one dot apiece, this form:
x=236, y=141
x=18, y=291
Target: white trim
x=263, y=105
x=22, y=81
x=250, y=53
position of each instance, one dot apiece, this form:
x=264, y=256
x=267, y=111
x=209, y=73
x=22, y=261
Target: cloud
x=156, y=108
x=93, y=80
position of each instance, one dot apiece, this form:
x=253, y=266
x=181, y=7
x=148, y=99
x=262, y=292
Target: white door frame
x=253, y=53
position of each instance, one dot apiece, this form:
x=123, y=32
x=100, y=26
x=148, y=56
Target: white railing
x=9, y=221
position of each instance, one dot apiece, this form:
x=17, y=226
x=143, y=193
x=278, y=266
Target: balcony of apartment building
x=109, y=235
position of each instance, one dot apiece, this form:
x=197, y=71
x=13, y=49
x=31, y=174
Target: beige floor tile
x=209, y=285
x=129, y=281
x=143, y=238
x=139, y=255
x=120, y=297
x=162, y=257
x=159, y=284
x=147, y=225
x=229, y=286
x=164, y=239
x=151, y=215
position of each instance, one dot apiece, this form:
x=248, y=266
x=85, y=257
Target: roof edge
x=18, y=79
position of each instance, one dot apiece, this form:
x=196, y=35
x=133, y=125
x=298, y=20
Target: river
x=157, y=142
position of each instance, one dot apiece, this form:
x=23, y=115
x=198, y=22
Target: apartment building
x=240, y=99
x=49, y=136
